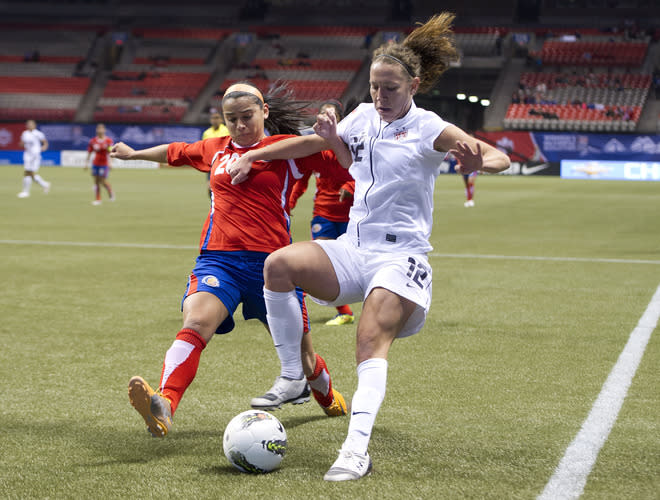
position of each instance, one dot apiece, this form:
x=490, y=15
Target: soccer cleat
x=23, y=194
x=338, y=406
x=112, y=198
x=96, y=202
x=153, y=407
x=284, y=390
x=349, y=466
x=46, y=187
x=469, y=203
x=341, y=319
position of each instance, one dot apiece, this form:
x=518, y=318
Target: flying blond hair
x=426, y=52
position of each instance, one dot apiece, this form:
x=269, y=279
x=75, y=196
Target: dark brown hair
x=426, y=52
x=286, y=115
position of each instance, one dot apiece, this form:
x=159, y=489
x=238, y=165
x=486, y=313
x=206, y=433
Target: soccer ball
x=255, y=442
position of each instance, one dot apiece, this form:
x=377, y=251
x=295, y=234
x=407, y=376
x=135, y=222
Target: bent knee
x=277, y=267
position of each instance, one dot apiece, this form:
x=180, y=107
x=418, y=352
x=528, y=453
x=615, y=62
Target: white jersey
x=395, y=168
x=32, y=140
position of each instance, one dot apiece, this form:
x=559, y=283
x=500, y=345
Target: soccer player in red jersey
x=332, y=203
x=100, y=146
x=245, y=224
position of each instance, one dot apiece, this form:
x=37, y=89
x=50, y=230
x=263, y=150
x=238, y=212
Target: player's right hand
x=326, y=124
x=240, y=169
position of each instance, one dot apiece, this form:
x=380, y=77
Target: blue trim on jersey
x=207, y=237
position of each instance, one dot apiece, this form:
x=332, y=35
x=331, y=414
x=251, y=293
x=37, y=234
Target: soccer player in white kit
x=34, y=142
x=382, y=260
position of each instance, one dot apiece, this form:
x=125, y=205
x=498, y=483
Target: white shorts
x=360, y=271
x=31, y=162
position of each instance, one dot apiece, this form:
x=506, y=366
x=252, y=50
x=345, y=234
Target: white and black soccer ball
x=255, y=442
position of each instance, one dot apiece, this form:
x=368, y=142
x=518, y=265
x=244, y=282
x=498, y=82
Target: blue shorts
x=324, y=228
x=100, y=171
x=235, y=277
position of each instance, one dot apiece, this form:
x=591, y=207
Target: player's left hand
x=345, y=194
x=468, y=160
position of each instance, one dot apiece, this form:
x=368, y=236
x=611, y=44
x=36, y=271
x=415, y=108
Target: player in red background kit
x=100, y=146
x=244, y=225
x=332, y=203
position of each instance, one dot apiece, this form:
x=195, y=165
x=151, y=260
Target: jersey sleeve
x=431, y=126
x=344, y=127
x=299, y=188
x=349, y=186
x=181, y=153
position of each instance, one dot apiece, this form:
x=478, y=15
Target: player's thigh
x=384, y=314
x=304, y=264
x=203, y=312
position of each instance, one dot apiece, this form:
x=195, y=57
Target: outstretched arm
x=124, y=152
x=294, y=147
x=470, y=153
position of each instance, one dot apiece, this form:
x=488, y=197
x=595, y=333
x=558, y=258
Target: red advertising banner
x=520, y=146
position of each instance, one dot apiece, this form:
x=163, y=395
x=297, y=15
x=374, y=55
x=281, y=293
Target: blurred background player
x=469, y=181
x=217, y=129
x=244, y=225
x=332, y=203
x=33, y=141
x=100, y=147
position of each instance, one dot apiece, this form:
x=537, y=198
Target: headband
x=248, y=89
x=396, y=59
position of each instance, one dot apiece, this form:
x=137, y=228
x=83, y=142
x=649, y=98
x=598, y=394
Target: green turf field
x=536, y=292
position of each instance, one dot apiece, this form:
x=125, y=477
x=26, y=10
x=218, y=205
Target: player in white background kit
x=33, y=142
x=381, y=260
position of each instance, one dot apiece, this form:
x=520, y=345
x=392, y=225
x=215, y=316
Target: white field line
x=432, y=255
x=542, y=258
x=571, y=474
x=98, y=244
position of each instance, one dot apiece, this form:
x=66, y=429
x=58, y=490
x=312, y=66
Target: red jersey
x=326, y=198
x=252, y=215
x=100, y=148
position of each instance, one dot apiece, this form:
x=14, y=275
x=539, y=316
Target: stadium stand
x=125, y=63
x=42, y=70
x=318, y=63
x=585, y=80
x=161, y=73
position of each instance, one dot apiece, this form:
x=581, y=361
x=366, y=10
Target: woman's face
x=391, y=89
x=244, y=119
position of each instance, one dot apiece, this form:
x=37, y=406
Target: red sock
x=346, y=309
x=180, y=365
x=97, y=192
x=108, y=188
x=321, y=383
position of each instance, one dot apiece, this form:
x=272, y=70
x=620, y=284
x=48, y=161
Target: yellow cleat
x=338, y=406
x=152, y=406
x=341, y=319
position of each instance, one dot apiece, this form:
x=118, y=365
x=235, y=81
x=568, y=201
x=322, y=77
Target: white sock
x=175, y=355
x=27, y=183
x=40, y=180
x=372, y=381
x=286, y=327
